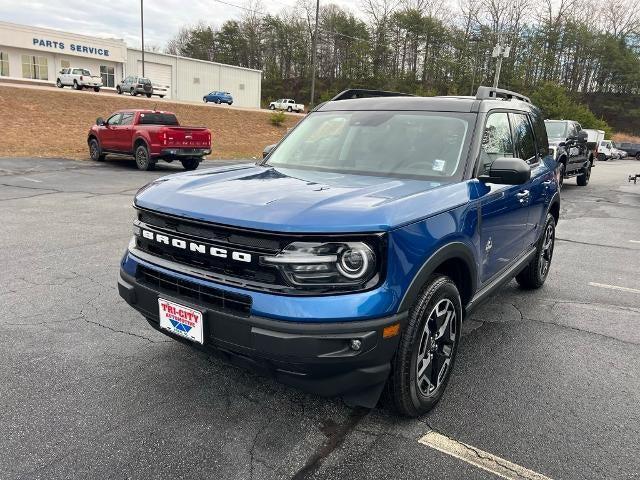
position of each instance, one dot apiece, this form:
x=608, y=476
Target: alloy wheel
x=436, y=347
x=547, y=250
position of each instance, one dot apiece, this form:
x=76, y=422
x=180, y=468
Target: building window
x=4, y=64
x=108, y=76
x=65, y=64
x=196, y=80
x=35, y=66
x=242, y=86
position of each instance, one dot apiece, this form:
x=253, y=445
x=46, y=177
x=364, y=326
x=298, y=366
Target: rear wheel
x=161, y=96
x=132, y=92
x=96, y=89
x=289, y=109
x=59, y=84
x=638, y=156
x=95, y=151
x=118, y=90
x=148, y=95
x=561, y=171
x=272, y=107
x=583, y=178
x=143, y=160
x=535, y=273
x=423, y=363
x=218, y=101
x=76, y=85
x=190, y=163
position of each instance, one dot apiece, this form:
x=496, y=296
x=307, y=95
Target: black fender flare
x=136, y=140
x=453, y=250
x=555, y=200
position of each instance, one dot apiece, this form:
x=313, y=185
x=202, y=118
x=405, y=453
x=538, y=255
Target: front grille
x=214, y=298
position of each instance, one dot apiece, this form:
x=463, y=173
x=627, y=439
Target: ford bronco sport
x=345, y=261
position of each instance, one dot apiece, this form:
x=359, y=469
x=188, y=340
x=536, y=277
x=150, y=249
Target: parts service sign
x=74, y=48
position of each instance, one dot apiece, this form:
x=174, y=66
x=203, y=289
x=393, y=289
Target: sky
x=121, y=18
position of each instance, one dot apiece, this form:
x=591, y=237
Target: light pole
x=313, y=57
x=499, y=51
x=142, y=31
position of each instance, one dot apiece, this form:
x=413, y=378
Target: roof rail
x=485, y=93
x=364, y=93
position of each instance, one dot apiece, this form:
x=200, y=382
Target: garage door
x=157, y=73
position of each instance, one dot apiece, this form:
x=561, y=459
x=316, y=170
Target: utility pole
x=499, y=51
x=313, y=58
x=142, y=31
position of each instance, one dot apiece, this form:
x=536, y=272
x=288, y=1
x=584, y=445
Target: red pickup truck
x=149, y=136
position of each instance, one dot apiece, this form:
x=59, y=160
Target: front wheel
x=95, y=151
x=190, y=163
x=535, y=273
x=561, y=170
x=161, y=96
x=96, y=89
x=148, y=95
x=424, y=360
x=583, y=178
x=132, y=92
x=289, y=109
x=218, y=101
x=272, y=107
x=143, y=160
x=638, y=156
x=76, y=86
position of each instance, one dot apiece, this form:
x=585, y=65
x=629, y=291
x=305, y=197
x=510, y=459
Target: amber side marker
x=391, y=330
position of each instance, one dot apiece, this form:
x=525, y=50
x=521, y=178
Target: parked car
x=347, y=259
x=134, y=85
x=287, y=104
x=160, y=90
x=632, y=149
x=608, y=151
x=568, y=144
x=149, y=136
x=218, y=97
x=78, y=78
x=594, y=137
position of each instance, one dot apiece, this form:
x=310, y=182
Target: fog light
x=355, y=344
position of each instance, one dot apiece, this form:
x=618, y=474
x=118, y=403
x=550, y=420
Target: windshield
x=144, y=80
x=158, y=119
x=556, y=129
x=404, y=144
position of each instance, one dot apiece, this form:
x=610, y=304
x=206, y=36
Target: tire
x=602, y=157
x=230, y=103
x=76, y=86
x=96, y=89
x=190, y=163
x=289, y=109
x=583, y=178
x=95, y=151
x=118, y=90
x=430, y=339
x=272, y=107
x=535, y=273
x=133, y=92
x=143, y=160
x=205, y=100
x=161, y=96
x=561, y=171
x=218, y=101
x=638, y=156
x=148, y=95
x=59, y=84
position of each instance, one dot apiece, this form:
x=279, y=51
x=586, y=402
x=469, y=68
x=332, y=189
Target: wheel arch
x=456, y=260
x=137, y=141
x=554, y=207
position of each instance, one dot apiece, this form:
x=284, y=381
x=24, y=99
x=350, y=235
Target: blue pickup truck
x=344, y=262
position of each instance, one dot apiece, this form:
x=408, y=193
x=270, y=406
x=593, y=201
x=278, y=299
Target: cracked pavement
x=549, y=379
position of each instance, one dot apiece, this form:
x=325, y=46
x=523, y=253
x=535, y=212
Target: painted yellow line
x=479, y=458
x=614, y=287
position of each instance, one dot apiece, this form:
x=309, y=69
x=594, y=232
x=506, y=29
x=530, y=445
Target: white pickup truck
x=78, y=78
x=287, y=104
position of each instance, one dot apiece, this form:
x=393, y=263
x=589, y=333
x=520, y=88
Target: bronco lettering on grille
x=196, y=247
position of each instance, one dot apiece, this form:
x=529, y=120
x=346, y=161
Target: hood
x=304, y=201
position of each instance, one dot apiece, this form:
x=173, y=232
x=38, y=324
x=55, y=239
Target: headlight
x=325, y=263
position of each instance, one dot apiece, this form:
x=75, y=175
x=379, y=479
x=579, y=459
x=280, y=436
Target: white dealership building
x=36, y=55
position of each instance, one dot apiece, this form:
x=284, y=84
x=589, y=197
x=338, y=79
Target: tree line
x=589, y=50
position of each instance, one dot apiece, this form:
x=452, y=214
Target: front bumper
x=315, y=357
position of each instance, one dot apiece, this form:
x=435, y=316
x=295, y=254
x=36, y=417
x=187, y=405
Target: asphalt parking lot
x=548, y=380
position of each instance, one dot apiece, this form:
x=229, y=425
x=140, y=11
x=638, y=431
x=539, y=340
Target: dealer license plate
x=180, y=320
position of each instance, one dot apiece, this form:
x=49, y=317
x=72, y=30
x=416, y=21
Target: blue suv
x=218, y=97
x=345, y=261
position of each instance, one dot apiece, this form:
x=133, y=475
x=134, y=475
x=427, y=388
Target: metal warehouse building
x=37, y=54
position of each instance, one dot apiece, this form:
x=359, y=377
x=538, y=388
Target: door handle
x=523, y=196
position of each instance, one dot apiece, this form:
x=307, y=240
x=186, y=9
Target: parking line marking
x=31, y=179
x=479, y=458
x=634, y=241
x=614, y=287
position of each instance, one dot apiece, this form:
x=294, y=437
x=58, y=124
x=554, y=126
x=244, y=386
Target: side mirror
x=267, y=150
x=508, y=171
x=100, y=121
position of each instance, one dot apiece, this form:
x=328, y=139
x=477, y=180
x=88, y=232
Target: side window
x=114, y=119
x=496, y=140
x=571, y=130
x=539, y=130
x=523, y=136
x=127, y=119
